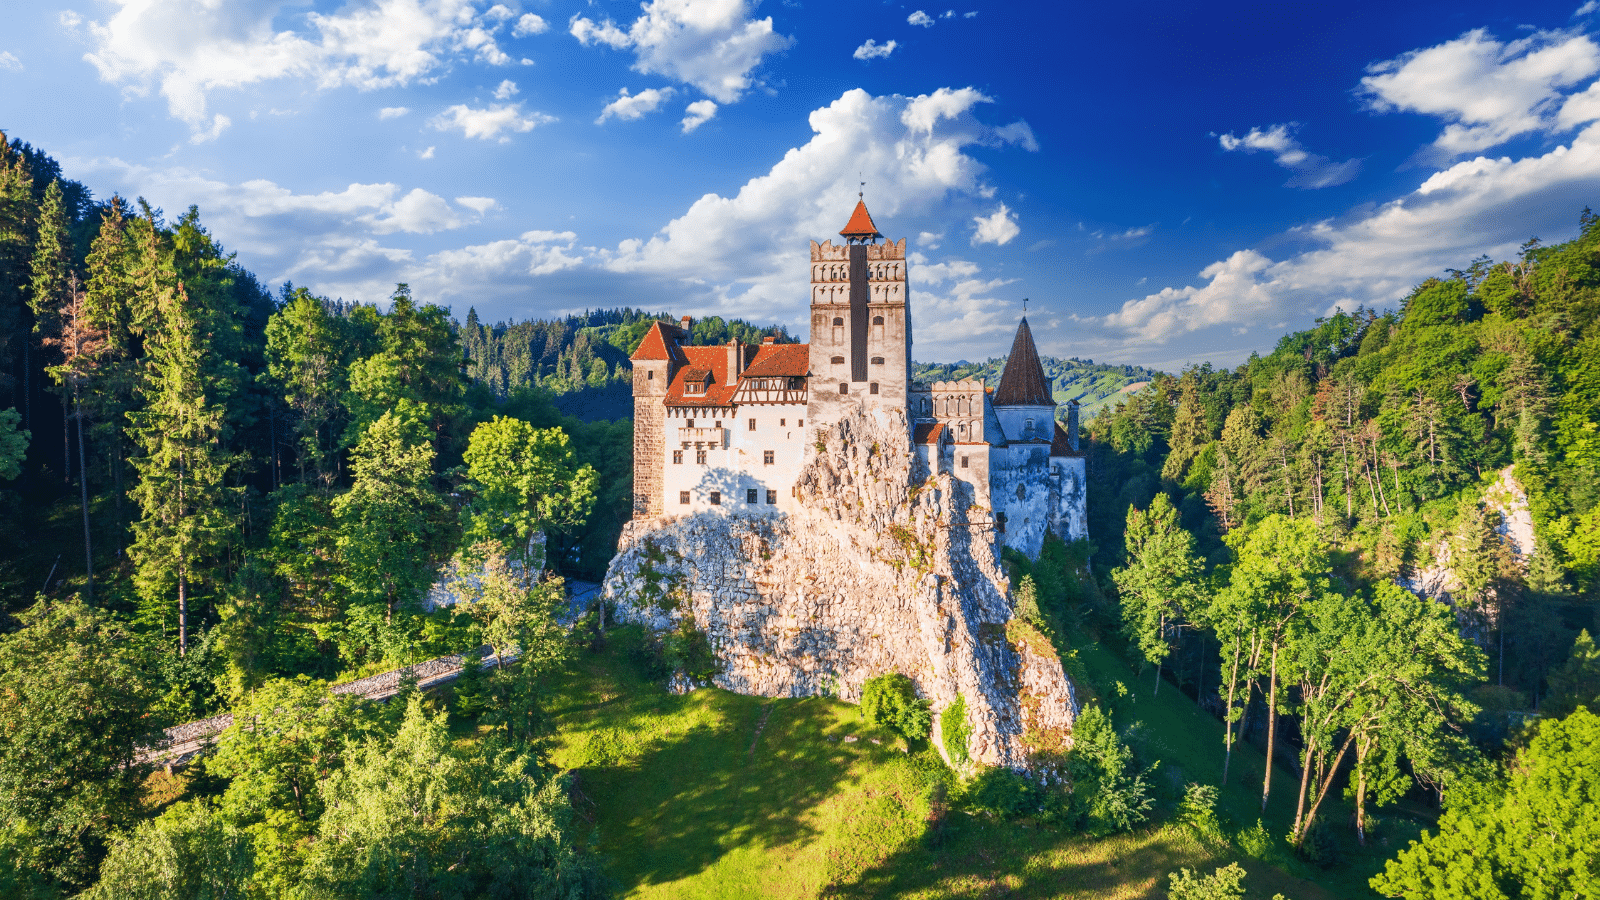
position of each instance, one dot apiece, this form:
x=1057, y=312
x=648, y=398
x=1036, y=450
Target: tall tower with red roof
x=860, y=321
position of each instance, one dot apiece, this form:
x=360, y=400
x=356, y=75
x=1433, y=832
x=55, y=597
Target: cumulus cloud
x=920, y=18
x=9, y=61
x=698, y=113
x=711, y=44
x=629, y=107
x=426, y=154
x=490, y=123
x=874, y=50
x=393, y=112
x=506, y=90
x=219, y=124
x=1486, y=91
x=1310, y=170
x=996, y=228
x=530, y=24
x=188, y=50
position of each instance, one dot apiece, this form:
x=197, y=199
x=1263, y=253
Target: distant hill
x=582, y=361
x=1094, y=385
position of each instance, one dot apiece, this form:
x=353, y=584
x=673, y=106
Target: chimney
x=1072, y=425
x=686, y=323
x=735, y=359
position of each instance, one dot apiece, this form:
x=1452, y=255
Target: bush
x=1109, y=795
x=954, y=731
x=1198, y=810
x=1226, y=883
x=687, y=650
x=891, y=700
x=1002, y=793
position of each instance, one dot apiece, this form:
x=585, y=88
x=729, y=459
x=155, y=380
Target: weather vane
x=862, y=194
x=1024, y=305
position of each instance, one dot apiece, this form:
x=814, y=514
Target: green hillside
x=1095, y=386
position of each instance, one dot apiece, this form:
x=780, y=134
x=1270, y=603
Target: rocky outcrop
x=879, y=569
x=1438, y=580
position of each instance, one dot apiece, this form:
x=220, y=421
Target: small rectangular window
x=799, y=423
x=752, y=424
x=772, y=498
x=716, y=498
x=690, y=425
x=873, y=388
x=767, y=457
x=782, y=422
x=844, y=388
x=677, y=457
x=683, y=497
x=650, y=375
x=877, y=360
x=700, y=457
x=750, y=495
x=718, y=424
x=963, y=462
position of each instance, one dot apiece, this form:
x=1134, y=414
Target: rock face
x=1439, y=581
x=881, y=569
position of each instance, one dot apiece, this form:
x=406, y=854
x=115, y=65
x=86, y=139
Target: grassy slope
x=714, y=794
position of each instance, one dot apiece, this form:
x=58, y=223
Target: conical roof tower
x=1023, y=382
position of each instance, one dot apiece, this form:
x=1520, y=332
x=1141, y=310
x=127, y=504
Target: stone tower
x=654, y=363
x=860, y=322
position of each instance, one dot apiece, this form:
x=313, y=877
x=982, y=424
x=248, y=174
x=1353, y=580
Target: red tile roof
x=660, y=343
x=714, y=359
x=779, y=360
x=1062, y=445
x=860, y=224
x=928, y=433
x=1023, y=382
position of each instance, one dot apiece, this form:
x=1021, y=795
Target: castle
x=728, y=428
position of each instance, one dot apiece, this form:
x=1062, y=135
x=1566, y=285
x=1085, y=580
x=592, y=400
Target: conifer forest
x=1367, y=563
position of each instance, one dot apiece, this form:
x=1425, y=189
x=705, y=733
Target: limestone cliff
x=1437, y=578
x=879, y=569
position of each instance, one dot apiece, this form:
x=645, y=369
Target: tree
x=415, y=375
x=181, y=494
x=1226, y=883
x=420, y=816
x=81, y=345
x=1161, y=582
x=891, y=700
x=285, y=739
x=51, y=269
x=390, y=523
x=1531, y=835
x=189, y=852
x=523, y=480
x=305, y=355
x=13, y=444
x=1281, y=567
x=73, y=713
x=17, y=210
x=1577, y=682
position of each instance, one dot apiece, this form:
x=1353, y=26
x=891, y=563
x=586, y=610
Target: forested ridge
x=1095, y=386
x=1261, y=521
x=219, y=497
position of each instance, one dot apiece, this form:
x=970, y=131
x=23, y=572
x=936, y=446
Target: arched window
x=838, y=321
x=844, y=388
x=1027, y=430
x=877, y=320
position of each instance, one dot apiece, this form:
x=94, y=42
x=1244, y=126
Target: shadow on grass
x=674, y=783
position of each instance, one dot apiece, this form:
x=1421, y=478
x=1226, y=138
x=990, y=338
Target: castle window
x=844, y=388
x=695, y=388
x=752, y=424
x=750, y=495
x=690, y=425
x=963, y=462
x=838, y=322
x=837, y=360
x=650, y=375
x=877, y=360
x=683, y=497
x=718, y=424
x=873, y=388
x=716, y=498
x=772, y=497
x=767, y=457
x=1000, y=522
x=1027, y=429
x=700, y=457
x=781, y=422
x=1021, y=494
x=877, y=320
x=677, y=457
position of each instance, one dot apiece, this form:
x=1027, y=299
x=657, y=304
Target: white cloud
x=929, y=240
x=1310, y=170
x=219, y=124
x=874, y=50
x=393, y=112
x=997, y=228
x=9, y=61
x=190, y=49
x=479, y=205
x=920, y=18
x=426, y=154
x=629, y=107
x=970, y=15
x=1486, y=91
x=530, y=24
x=506, y=90
x=1587, y=8
x=699, y=113
x=1375, y=256
x=711, y=44
x=490, y=123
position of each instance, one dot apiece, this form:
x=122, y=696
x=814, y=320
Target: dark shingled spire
x=1023, y=382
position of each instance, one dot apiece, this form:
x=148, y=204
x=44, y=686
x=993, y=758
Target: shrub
x=954, y=731
x=1226, y=883
x=687, y=650
x=891, y=700
x=1198, y=810
x=1002, y=793
x=1109, y=794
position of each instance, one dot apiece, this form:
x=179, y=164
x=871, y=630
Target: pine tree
x=17, y=210
x=81, y=346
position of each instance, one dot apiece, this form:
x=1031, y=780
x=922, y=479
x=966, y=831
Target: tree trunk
x=1272, y=727
x=1227, y=721
x=1322, y=794
x=83, y=490
x=1305, y=784
x=1362, y=749
x=183, y=607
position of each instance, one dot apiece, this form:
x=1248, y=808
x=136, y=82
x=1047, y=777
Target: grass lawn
x=713, y=794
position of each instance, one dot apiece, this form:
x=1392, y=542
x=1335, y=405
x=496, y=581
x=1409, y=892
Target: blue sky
x=1169, y=184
